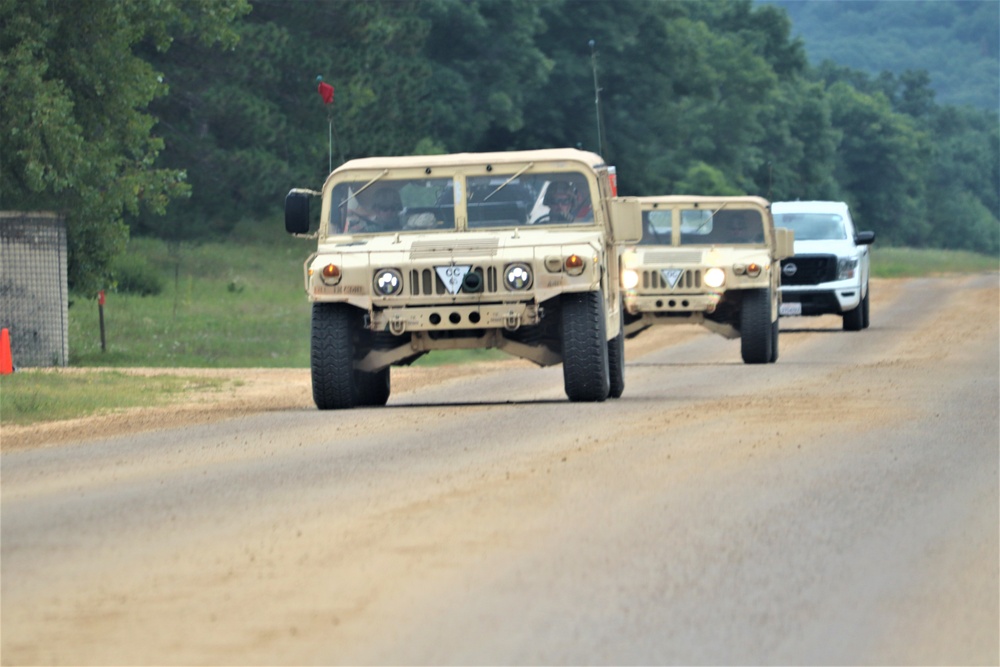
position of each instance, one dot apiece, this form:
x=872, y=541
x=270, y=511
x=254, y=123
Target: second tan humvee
x=712, y=261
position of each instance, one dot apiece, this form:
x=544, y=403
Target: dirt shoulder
x=247, y=391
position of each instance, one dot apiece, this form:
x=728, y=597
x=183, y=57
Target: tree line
x=179, y=118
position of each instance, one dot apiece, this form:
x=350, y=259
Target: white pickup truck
x=830, y=268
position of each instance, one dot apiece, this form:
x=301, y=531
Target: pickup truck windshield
x=813, y=226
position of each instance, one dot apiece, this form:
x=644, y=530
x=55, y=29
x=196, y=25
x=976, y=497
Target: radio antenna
x=597, y=98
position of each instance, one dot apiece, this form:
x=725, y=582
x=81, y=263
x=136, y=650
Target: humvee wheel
x=374, y=387
x=774, y=341
x=584, y=347
x=616, y=362
x=332, y=356
x=756, y=327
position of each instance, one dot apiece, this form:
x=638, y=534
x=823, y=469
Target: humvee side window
x=392, y=206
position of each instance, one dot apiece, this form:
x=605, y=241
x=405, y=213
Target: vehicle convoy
x=830, y=268
x=712, y=261
x=516, y=251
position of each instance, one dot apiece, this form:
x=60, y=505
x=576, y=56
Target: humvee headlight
x=574, y=265
x=517, y=277
x=388, y=282
x=715, y=277
x=630, y=278
x=753, y=269
x=330, y=274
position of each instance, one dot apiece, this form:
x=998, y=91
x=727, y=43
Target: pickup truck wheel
x=756, y=326
x=854, y=319
x=332, y=356
x=373, y=387
x=866, y=307
x=585, y=347
x=616, y=362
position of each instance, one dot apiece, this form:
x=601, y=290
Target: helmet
x=387, y=199
x=557, y=192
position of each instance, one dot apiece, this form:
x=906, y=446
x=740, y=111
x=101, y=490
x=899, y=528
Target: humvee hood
x=464, y=243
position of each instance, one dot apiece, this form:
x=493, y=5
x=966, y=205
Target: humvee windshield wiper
x=709, y=218
x=504, y=184
x=364, y=187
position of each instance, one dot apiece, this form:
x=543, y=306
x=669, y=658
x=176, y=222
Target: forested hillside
x=957, y=42
x=182, y=117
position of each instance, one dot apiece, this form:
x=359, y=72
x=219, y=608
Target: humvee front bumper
x=454, y=316
x=705, y=303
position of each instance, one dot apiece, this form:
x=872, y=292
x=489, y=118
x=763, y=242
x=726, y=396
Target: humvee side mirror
x=297, y=212
x=626, y=219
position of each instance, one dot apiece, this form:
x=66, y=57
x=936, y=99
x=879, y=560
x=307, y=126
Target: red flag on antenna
x=326, y=92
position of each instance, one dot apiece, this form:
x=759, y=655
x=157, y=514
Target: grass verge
x=35, y=395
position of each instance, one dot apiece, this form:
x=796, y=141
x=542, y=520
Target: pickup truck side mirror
x=864, y=238
x=297, y=212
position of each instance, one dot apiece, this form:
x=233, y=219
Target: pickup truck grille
x=809, y=269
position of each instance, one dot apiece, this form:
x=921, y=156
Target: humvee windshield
x=703, y=226
x=496, y=200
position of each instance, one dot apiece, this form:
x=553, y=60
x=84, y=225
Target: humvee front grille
x=654, y=280
x=426, y=282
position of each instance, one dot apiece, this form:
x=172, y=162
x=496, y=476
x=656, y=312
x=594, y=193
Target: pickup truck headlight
x=846, y=267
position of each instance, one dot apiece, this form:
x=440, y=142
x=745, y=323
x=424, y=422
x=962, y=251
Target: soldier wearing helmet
x=380, y=211
x=567, y=202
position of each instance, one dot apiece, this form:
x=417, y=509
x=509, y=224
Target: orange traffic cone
x=6, y=361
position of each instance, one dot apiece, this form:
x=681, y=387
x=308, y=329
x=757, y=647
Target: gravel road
x=841, y=506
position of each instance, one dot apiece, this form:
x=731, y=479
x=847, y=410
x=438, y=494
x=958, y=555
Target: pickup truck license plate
x=791, y=308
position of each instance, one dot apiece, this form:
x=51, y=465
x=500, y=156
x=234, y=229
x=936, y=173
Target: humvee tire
x=332, y=356
x=616, y=361
x=756, y=326
x=774, y=342
x=584, y=347
x=373, y=387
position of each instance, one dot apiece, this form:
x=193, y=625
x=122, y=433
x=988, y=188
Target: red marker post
x=100, y=312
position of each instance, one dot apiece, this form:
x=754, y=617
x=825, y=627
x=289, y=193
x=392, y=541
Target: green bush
x=133, y=274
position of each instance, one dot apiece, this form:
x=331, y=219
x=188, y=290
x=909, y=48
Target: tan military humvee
x=516, y=251
x=712, y=261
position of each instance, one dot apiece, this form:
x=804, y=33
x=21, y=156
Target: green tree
x=882, y=164
x=73, y=96
x=248, y=124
